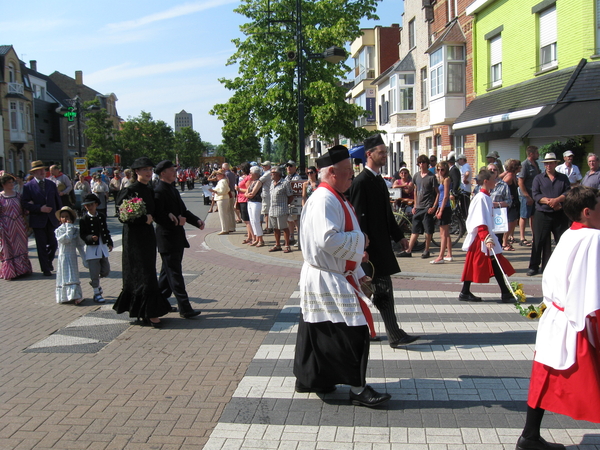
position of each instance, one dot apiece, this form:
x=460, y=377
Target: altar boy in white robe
x=565, y=378
x=332, y=344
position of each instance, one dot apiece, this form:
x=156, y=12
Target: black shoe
x=369, y=397
x=155, y=324
x=174, y=309
x=404, y=254
x=47, y=273
x=51, y=267
x=468, y=297
x=425, y=255
x=301, y=389
x=539, y=444
x=292, y=241
x=404, y=340
x=189, y=314
x=532, y=272
x=375, y=339
x=508, y=298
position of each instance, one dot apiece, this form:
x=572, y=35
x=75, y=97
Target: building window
x=405, y=91
x=411, y=34
x=429, y=144
x=496, y=61
x=455, y=56
x=364, y=65
x=459, y=144
x=14, y=126
x=548, y=34
x=71, y=136
x=12, y=78
x=392, y=95
x=39, y=92
x=452, y=9
x=438, y=146
x=424, y=99
x=28, y=118
x=437, y=72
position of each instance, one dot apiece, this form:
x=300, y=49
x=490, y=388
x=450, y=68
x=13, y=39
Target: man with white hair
x=570, y=169
x=332, y=344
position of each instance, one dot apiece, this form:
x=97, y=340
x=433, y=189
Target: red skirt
x=478, y=266
x=574, y=392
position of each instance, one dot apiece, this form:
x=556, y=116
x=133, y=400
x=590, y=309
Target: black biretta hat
x=144, y=161
x=334, y=155
x=166, y=164
x=373, y=141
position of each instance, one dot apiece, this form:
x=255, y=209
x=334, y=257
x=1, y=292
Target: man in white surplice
x=333, y=334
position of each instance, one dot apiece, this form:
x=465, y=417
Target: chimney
x=78, y=77
x=33, y=65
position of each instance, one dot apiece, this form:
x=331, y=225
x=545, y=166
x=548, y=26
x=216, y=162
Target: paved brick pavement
x=223, y=380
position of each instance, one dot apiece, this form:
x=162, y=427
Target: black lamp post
x=73, y=113
x=332, y=55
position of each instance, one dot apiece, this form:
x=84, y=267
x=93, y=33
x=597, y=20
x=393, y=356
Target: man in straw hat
x=40, y=197
x=332, y=344
x=548, y=189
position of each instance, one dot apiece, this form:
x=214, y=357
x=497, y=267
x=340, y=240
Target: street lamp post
x=332, y=55
x=73, y=113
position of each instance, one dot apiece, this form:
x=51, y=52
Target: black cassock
x=140, y=295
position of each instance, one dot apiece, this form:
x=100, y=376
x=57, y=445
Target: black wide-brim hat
x=373, y=141
x=144, y=161
x=89, y=199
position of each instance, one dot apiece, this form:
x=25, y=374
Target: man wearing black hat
x=370, y=197
x=170, y=217
x=332, y=345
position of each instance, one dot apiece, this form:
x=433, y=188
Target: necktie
x=43, y=185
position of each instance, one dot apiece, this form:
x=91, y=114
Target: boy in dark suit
x=170, y=217
x=40, y=197
x=98, y=243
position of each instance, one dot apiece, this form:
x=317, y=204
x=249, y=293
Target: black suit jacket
x=170, y=237
x=455, y=178
x=371, y=200
x=33, y=199
x=94, y=226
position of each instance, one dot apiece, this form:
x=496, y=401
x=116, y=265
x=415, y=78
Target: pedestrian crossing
x=462, y=386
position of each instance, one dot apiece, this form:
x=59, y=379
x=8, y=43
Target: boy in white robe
x=565, y=377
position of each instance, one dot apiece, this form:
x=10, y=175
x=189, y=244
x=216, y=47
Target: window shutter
x=548, y=27
x=496, y=50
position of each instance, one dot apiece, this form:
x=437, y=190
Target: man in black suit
x=170, y=217
x=371, y=200
x=40, y=197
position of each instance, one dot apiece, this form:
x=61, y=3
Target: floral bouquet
x=132, y=209
x=532, y=311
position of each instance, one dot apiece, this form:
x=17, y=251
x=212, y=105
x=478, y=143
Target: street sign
x=81, y=166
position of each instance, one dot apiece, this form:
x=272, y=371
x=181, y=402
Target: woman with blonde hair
x=221, y=192
x=444, y=213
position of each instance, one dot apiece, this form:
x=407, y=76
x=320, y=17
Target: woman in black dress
x=140, y=295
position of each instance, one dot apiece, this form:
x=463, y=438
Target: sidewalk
x=84, y=378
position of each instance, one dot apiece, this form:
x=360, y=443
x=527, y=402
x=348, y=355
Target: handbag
x=366, y=285
x=500, y=217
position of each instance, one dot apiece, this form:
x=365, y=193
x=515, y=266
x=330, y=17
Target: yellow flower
x=532, y=315
x=542, y=307
x=519, y=286
x=520, y=295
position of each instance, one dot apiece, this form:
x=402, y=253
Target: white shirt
x=572, y=281
x=325, y=294
x=464, y=169
x=572, y=172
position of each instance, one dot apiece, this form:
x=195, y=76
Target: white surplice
x=325, y=294
x=571, y=281
x=480, y=213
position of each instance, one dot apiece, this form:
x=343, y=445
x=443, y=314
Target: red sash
x=351, y=265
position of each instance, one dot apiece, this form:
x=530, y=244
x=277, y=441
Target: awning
x=493, y=131
x=358, y=152
x=563, y=119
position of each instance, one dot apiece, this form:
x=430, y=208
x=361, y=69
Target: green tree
x=100, y=131
x=188, y=147
x=143, y=136
x=266, y=85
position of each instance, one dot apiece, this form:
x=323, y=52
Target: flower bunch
x=132, y=209
x=531, y=311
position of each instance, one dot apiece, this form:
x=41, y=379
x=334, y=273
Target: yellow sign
x=81, y=166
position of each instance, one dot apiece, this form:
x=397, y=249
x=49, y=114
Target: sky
x=158, y=56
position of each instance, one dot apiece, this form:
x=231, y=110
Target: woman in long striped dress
x=14, y=259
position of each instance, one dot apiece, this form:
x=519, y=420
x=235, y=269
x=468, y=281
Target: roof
x=407, y=64
x=453, y=35
x=68, y=85
x=532, y=93
x=51, y=86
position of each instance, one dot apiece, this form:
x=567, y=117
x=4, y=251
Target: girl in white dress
x=68, y=287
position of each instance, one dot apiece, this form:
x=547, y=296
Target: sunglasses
x=310, y=172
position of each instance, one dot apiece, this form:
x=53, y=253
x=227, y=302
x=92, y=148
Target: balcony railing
x=15, y=88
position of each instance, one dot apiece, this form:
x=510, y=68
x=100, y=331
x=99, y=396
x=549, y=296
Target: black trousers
x=383, y=299
x=546, y=224
x=170, y=280
x=46, y=244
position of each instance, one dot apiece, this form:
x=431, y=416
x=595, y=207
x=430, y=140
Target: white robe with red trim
x=325, y=294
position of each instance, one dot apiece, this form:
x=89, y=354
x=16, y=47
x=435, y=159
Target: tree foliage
x=143, y=136
x=266, y=84
x=100, y=131
x=188, y=147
